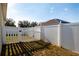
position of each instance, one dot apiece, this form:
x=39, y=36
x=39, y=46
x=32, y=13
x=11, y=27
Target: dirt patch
x=53, y=50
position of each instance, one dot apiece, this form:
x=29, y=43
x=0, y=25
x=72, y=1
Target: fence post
x=19, y=34
x=59, y=34
x=42, y=35
x=33, y=34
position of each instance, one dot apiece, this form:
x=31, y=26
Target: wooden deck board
x=21, y=48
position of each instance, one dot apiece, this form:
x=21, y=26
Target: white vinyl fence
x=15, y=34
x=70, y=36
x=34, y=32
x=50, y=34
x=65, y=35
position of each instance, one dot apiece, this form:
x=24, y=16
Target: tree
x=24, y=24
x=27, y=24
x=10, y=22
x=33, y=24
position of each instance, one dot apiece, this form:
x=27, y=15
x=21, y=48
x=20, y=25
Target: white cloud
x=51, y=9
x=66, y=9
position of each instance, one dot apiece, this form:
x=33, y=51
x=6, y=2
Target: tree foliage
x=27, y=24
x=33, y=24
x=10, y=22
x=24, y=24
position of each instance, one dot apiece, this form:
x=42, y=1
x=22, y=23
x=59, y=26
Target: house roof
x=54, y=22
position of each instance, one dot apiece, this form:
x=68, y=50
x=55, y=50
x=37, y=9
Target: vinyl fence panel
x=50, y=34
x=67, y=37
x=75, y=29
x=70, y=36
x=16, y=34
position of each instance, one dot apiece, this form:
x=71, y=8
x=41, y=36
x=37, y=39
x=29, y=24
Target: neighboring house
x=53, y=22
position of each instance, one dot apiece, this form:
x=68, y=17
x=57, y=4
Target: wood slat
x=27, y=47
x=27, y=50
x=20, y=51
x=6, y=53
x=17, y=50
x=14, y=52
x=3, y=50
x=10, y=51
x=21, y=48
x=30, y=47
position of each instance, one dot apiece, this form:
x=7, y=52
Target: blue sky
x=41, y=12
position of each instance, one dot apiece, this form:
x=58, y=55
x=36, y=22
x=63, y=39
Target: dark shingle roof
x=54, y=22
x=62, y=21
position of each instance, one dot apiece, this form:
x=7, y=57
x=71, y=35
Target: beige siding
x=3, y=10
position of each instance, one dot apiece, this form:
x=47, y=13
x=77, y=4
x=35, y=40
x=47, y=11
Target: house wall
x=0, y=41
x=3, y=10
x=0, y=28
